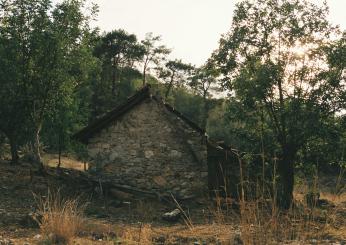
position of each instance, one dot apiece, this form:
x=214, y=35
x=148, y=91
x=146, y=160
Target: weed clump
x=60, y=219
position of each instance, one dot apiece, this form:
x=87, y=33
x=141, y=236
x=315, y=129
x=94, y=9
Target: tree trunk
x=170, y=85
x=36, y=149
x=144, y=77
x=286, y=180
x=205, y=111
x=114, y=72
x=145, y=73
x=59, y=153
x=14, y=150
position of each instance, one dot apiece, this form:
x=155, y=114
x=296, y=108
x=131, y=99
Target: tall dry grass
x=143, y=235
x=261, y=221
x=60, y=219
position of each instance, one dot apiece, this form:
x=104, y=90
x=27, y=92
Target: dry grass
x=142, y=235
x=262, y=222
x=258, y=221
x=208, y=232
x=60, y=219
x=145, y=210
x=177, y=234
x=261, y=226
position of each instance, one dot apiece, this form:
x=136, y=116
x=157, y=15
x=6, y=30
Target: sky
x=191, y=28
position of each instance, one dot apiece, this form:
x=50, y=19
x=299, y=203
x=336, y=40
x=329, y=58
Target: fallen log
x=104, y=184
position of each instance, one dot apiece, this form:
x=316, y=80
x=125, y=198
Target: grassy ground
x=106, y=220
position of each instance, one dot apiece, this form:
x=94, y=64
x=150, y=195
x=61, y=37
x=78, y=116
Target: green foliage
x=153, y=53
x=47, y=56
x=175, y=73
x=118, y=53
x=188, y=104
x=271, y=63
x=103, y=99
x=204, y=82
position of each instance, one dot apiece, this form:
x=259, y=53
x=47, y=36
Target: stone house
x=146, y=144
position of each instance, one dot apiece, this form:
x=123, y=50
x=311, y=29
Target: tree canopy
x=276, y=60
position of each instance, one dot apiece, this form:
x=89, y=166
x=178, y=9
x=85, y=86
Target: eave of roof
x=94, y=127
x=84, y=134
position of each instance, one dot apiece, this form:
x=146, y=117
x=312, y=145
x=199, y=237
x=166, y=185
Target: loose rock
x=172, y=216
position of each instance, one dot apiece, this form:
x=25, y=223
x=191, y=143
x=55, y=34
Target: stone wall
x=151, y=148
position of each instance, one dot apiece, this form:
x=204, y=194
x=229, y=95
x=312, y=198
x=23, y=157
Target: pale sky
x=191, y=28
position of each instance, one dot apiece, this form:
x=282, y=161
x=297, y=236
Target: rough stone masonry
x=151, y=148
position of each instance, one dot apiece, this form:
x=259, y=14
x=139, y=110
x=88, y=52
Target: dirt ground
x=130, y=220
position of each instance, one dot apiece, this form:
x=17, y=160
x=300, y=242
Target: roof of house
x=84, y=134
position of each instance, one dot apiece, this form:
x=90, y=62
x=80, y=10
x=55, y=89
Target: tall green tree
x=204, y=82
x=14, y=63
x=51, y=46
x=271, y=62
x=119, y=54
x=118, y=50
x=153, y=53
x=175, y=73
